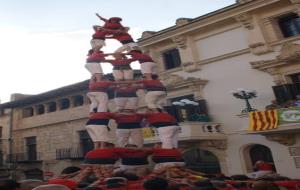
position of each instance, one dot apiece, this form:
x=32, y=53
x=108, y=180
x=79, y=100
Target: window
x=171, y=59
x=40, y=109
x=77, y=100
x=188, y=112
x=31, y=148
x=85, y=142
x=51, y=106
x=27, y=112
x=64, y=103
x=289, y=25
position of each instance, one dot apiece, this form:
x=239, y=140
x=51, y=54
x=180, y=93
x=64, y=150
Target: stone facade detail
x=147, y=34
x=175, y=82
x=246, y=20
x=218, y=144
x=289, y=55
x=182, y=21
x=285, y=139
x=243, y=1
x=257, y=43
x=180, y=41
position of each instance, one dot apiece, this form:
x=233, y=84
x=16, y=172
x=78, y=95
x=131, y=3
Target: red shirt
x=160, y=117
x=153, y=85
x=102, y=153
x=129, y=91
x=290, y=184
x=161, y=152
x=120, y=62
x=133, y=156
x=101, y=86
x=124, y=118
x=142, y=58
x=123, y=37
x=101, y=115
x=132, y=153
x=65, y=182
x=113, y=26
x=99, y=34
x=264, y=167
x=96, y=57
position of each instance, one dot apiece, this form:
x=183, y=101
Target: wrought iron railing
x=69, y=153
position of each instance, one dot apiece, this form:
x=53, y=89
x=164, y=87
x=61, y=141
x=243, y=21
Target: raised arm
x=101, y=18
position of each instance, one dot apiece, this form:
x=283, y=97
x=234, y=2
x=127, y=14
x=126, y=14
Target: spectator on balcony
x=297, y=102
x=273, y=105
x=261, y=168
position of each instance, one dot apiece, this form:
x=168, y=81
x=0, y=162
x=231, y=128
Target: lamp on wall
x=245, y=94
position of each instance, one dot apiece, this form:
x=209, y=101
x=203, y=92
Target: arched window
x=77, y=100
x=260, y=152
x=27, y=112
x=51, y=106
x=40, y=109
x=256, y=152
x=202, y=160
x=64, y=103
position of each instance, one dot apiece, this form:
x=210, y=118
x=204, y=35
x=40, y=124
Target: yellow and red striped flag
x=263, y=120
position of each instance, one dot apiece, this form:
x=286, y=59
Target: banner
x=290, y=115
x=263, y=120
x=148, y=132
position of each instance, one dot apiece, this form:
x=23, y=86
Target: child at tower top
x=111, y=24
x=148, y=66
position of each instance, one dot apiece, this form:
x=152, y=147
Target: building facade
x=252, y=44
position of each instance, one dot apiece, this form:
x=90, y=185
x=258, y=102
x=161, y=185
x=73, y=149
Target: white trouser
x=123, y=74
x=169, y=136
x=126, y=102
x=127, y=47
x=155, y=99
x=99, y=100
x=136, y=136
x=258, y=174
x=94, y=68
x=168, y=164
x=99, y=133
x=97, y=43
x=149, y=67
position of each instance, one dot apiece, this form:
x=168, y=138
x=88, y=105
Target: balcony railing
x=190, y=131
x=24, y=157
x=72, y=153
x=276, y=120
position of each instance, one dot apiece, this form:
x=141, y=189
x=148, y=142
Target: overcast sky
x=43, y=44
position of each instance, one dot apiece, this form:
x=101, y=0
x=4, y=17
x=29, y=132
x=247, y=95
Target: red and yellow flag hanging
x=263, y=120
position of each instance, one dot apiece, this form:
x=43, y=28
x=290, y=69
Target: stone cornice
x=212, y=18
x=175, y=82
x=289, y=54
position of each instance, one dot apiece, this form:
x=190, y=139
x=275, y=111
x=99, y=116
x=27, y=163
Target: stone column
x=188, y=54
x=256, y=39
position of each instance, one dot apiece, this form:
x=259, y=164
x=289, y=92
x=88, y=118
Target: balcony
x=73, y=153
x=24, y=157
x=193, y=132
x=280, y=125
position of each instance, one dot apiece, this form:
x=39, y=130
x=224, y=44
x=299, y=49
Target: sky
x=43, y=44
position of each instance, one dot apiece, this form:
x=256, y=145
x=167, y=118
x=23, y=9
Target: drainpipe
x=10, y=142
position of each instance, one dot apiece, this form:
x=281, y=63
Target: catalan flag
x=263, y=120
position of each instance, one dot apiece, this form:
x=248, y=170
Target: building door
x=202, y=161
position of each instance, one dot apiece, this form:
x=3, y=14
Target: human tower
x=128, y=154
